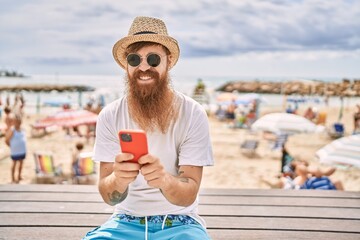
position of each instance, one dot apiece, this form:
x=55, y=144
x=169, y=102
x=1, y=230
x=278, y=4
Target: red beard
x=150, y=105
x=147, y=92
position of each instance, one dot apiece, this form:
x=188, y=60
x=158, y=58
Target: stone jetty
x=346, y=87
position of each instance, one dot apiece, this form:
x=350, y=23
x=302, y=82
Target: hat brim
x=121, y=45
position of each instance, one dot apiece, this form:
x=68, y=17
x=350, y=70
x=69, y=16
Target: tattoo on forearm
x=117, y=197
x=183, y=179
x=186, y=180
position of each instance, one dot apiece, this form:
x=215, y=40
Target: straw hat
x=146, y=29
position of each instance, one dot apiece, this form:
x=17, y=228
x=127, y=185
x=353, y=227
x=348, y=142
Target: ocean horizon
x=112, y=87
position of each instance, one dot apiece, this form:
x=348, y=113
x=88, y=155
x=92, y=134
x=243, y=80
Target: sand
x=233, y=169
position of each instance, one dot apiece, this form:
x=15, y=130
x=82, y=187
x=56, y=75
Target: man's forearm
x=181, y=191
x=111, y=192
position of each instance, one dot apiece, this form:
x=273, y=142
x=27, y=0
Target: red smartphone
x=134, y=142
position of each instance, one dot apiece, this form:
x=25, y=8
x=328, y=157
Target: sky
x=247, y=38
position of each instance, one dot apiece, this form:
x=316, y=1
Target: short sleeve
x=196, y=148
x=106, y=143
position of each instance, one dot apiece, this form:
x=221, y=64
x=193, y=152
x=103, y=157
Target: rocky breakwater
x=346, y=87
x=46, y=88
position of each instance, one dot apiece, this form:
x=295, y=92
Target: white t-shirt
x=187, y=142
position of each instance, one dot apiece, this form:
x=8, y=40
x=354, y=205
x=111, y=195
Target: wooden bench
x=69, y=211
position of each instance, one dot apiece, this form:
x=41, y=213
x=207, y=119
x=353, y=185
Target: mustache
x=149, y=72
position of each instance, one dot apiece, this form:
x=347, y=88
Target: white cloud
x=82, y=32
x=307, y=64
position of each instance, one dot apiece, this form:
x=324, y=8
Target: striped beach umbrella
x=344, y=151
x=284, y=123
x=67, y=118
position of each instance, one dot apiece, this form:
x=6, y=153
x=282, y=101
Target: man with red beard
x=156, y=197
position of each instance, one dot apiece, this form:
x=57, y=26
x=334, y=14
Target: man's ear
x=169, y=59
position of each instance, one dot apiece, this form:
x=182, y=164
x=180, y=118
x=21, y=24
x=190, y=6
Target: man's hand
x=180, y=190
x=116, y=177
x=124, y=171
x=153, y=171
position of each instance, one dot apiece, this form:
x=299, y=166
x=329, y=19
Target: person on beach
x=79, y=170
x=157, y=196
x=8, y=118
x=299, y=175
x=286, y=158
x=316, y=179
x=19, y=104
x=15, y=138
x=230, y=113
x=357, y=120
x=75, y=157
x=309, y=114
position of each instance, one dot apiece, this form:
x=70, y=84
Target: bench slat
x=211, y=210
x=207, y=191
x=66, y=233
x=205, y=199
x=91, y=221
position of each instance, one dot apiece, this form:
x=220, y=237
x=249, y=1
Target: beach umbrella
x=344, y=151
x=67, y=118
x=284, y=123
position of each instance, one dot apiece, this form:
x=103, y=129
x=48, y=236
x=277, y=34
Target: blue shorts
x=125, y=227
x=18, y=157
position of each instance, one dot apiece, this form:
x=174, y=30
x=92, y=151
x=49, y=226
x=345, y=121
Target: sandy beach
x=232, y=168
x=235, y=170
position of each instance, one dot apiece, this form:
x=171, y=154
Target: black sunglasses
x=152, y=59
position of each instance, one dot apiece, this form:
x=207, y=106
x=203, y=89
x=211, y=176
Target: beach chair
x=248, y=147
x=46, y=171
x=84, y=169
x=279, y=142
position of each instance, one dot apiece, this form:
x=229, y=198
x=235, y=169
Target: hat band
x=145, y=32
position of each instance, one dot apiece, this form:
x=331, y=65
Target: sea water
x=111, y=87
